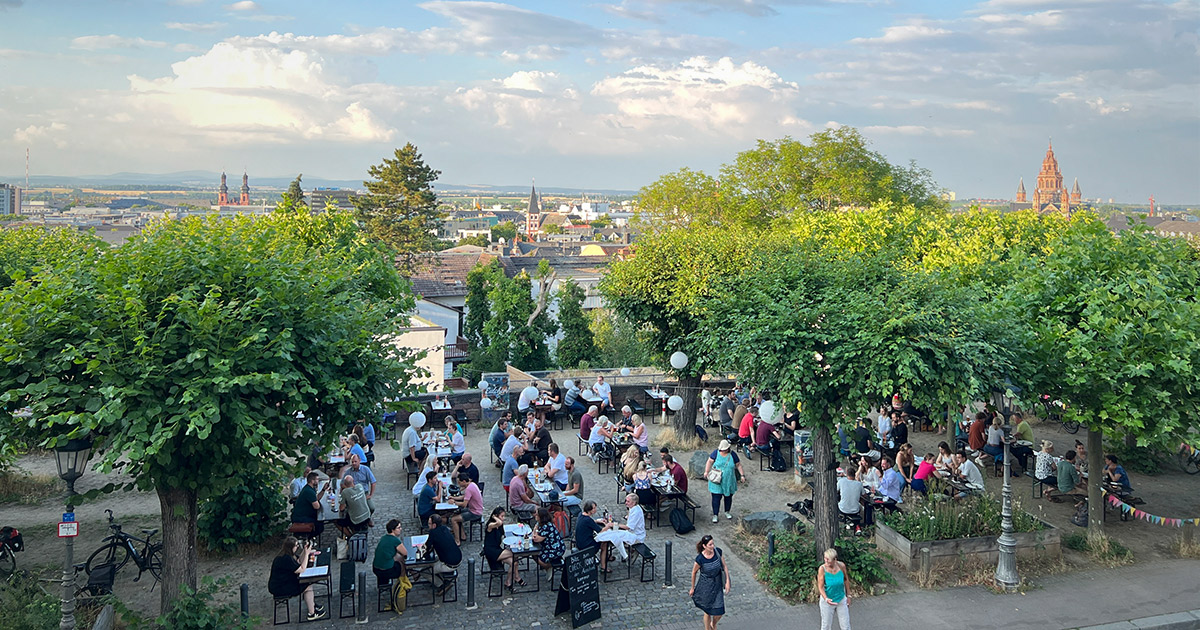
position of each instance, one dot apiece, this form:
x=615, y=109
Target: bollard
x=926, y=565
x=471, y=583
x=667, y=555
x=770, y=547
x=245, y=600
x=361, y=609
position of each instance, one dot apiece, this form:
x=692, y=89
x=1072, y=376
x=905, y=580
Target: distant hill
x=210, y=180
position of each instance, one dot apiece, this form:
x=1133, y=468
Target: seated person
x=369, y=434
x=513, y=440
x=678, y=474
x=413, y=448
x=1068, y=476
x=977, y=434
x=430, y=496
x=1115, y=473
x=968, y=473
x=356, y=508
x=494, y=551
x=496, y=439
x=642, y=481
x=362, y=475
x=746, y=429
x=586, y=422
x=850, y=492
x=470, y=503
x=431, y=464
x=457, y=445
x=541, y=443
x=574, y=403
x=635, y=521
x=767, y=436
x=549, y=538
x=604, y=391
x=598, y=442
x=899, y=433
x=868, y=474
x=572, y=497
x=863, y=444
x=1045, y=467
x=308, y=503
x=994, y=446
x=891, y=484
x=586, y=529
x=284, y=581
x=520, y=496
x=297, y=485
x=390, y=554
x=449, y=555
x=511, y=466
x=351, y=446
x=466, y=464
x=925, y=470
x=556, y=467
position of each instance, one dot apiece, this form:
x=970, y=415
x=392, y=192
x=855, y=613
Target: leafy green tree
x=188, y=353
x=618, y=342
x=601, y=222
x=478, y=240
x=576, y=344
x=296, y=193
x=479, y=283
x=553, y=228
x=1114, y=332
x=27, y=250
x=665, y=287
x=842, y=335
x=505, y=230
x=682, y=199
x=400, y=207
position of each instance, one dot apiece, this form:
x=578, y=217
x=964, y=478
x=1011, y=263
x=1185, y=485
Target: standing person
x=831, y=582
x=708, y=592
x=727, y=462
x=725, y=412
x=410, y=444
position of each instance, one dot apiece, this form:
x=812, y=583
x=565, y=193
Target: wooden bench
x=647, y=556
x=1037, y=486
x=346, y=589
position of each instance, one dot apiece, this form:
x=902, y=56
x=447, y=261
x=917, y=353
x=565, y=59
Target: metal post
x=926, y=566
x=667, y=581
x=1006, y=567
x=68, y=576
x=471, y=583
x=361, y=608
x=770, y=547
x=245, y=599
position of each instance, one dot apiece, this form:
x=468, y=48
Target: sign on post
x=68, y=529
x=581, y=588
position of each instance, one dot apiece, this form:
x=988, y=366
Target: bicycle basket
x=13, y=538
x=100, y=580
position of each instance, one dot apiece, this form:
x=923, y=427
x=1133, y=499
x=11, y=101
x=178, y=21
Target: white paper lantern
x=679, y=360
x=624, y=371
x=486, y=403
x=417, y=420
x=675, y=403
x=530, y=393
x=568, y=383
x=483, y=384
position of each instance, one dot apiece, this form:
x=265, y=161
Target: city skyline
x=605, y=95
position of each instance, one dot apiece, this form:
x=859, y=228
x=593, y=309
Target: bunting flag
x=1146, y=516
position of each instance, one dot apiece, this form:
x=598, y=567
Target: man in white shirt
x=556, y=467
x=525, y=403
x=968, y=472
x=604, y=391
x=511, y=442
x=412, y=447
x=635, y=522
x=850, y=493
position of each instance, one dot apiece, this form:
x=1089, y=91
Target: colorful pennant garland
x=1150, y=518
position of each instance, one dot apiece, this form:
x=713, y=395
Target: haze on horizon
x=606, y=95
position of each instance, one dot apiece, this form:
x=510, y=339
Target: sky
x=605, y=93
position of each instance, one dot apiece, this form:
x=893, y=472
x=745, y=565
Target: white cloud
x=903, y=33
x=243, y=5
x=917, y=130
x=195, y=27
x=102, y=42
x=33, y=134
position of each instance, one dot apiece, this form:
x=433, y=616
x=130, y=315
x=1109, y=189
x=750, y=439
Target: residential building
x=10, y=199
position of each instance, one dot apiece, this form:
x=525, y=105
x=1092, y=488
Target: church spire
x=223, y=192
x=244, y=200
x=1021, y=191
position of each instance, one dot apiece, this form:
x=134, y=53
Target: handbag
x=714, y=475
x=343, y=549
x=302, y=528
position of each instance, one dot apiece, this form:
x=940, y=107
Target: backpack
x=559, y=518
x=358, y=548
x=399, y=599
x=680, y=522
x=1081, y=515
x=778, y=463
x=701, y=433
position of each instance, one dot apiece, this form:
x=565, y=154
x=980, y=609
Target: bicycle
x=1053, y=410
x=10, y=543
x=1189, y=459
x=118, y=548
x=94, y=590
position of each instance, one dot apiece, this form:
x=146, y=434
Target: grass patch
x=1104, y=550
x=24, y=489
x=667, y=436
x=1185, y=549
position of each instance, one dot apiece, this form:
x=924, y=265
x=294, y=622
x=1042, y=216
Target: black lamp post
x=1006, y=566
x=71, y=458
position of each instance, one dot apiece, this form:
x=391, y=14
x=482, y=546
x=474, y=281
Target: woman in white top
x=641, y=435
x=868, y=474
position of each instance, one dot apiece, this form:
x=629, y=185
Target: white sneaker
x=714, y=518
x=728, y=516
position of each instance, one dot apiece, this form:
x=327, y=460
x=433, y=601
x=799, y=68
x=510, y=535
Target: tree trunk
x=1095, y=457
x=951, y=428
x=685, y=419
x=825, y=516
x=179, y=512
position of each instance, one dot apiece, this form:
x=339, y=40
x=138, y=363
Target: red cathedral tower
x=1050, y=194
x=223, y=192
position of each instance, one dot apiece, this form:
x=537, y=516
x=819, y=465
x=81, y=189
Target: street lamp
x=1006, y=565
x=71, y=458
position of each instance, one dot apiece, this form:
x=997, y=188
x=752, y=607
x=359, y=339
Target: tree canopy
x=400, y=207
x=577, y=344
x=189, y=352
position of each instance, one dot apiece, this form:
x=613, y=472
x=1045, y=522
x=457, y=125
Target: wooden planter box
x=985, y=549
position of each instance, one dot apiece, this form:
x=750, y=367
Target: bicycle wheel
x=113, y=553
x=154, y=562
x=8, y=562
x=1071, y=427
x=1189, y=462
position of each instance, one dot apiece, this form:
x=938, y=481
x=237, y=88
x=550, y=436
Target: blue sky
x=605, y=94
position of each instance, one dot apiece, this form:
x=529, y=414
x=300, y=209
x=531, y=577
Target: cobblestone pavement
x=626, y=604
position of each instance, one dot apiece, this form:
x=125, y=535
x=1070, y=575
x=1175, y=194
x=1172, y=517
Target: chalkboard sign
x=581, y=588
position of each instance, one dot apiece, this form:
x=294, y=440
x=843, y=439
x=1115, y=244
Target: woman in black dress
x=285, y=574
x=494, y=551
x=708, y=592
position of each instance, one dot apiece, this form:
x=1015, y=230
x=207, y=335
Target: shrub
x=24, y=606
x=793, y=572
x=946, y=520
x=1144, y=460
x=196, y=609
x=249, y=513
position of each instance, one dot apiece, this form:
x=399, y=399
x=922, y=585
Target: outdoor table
x=660, y=396
x=516, y=529
x=440, y=405
x=329, y=508
x=318, y=574
x=590, y=396
x=524, y=549
x=542, y=491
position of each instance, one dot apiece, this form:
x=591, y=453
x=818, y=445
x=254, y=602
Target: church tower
x=244, y=200
x=533, y=219
x=223, y=192
x=1021, y=191
x=1050, y=194
x=1076, y=194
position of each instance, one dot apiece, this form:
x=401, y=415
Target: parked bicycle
x=1054, y=413
x=118, y=548
x=1189, y=458
x=10, y=543
x=94, y=590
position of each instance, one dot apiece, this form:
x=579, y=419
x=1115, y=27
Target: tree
x=504, y=323
x=684, y=198
x=28, y=250
x=188, y=353
x=576, y=345
x=296, y=193
x=505, y=230
x=1113, y=326
x=400, y=207
x=553, y=228
x=478, y=240
x=618, y=342
x=601, y=222
x=842, y=335
x=665, y=287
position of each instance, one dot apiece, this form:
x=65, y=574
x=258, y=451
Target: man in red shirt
x=677, y=472
x=746, y=429
x=976, y=435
